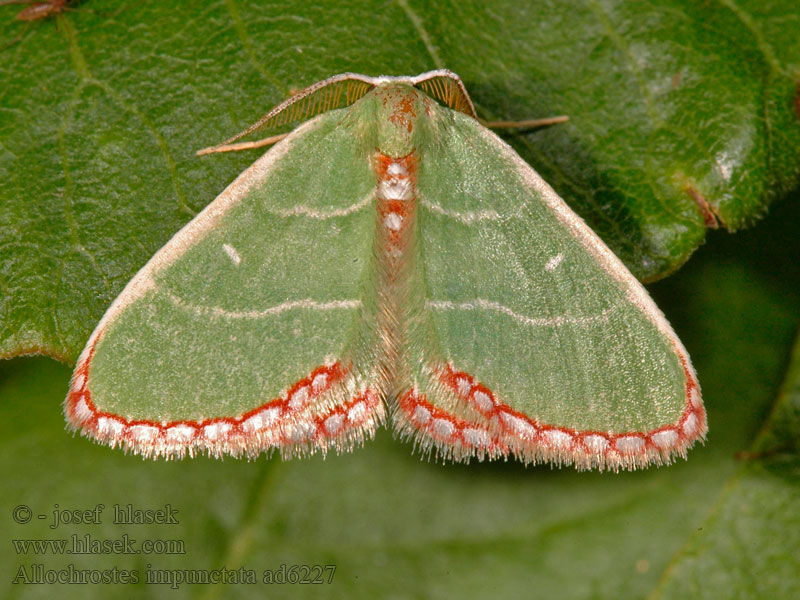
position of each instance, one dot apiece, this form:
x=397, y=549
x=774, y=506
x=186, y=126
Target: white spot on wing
x=357, y=413
x=319, y=382
x=143, y=434
x=334, y=423
x=77, y=385
x=477, y=437
x=254, y=423
x=301, y=431
x=665, y=439
x=421, y=415
x=554, y=262
x=180, y=434
x=482, y=401
x=232, y=253
x=690, y=425
x=595, y=443
x=520, y=427
x=109, y=426
x=726, y=163
x=443, y=428
x=81, y=412
x=270, y=415
x=299, y=398
x=559, y=440
x=629, y=444
x=214, y=431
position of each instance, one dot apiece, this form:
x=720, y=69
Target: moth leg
x=524, y=124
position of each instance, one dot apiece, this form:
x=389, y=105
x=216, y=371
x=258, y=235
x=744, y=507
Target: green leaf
x=670, y=104
x=397, y=526
x=747, y=547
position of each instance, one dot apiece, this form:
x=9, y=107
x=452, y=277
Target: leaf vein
x=416, y=22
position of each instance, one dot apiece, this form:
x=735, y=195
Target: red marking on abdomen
x=396, y=207
x=383, y=162
x=274, y=423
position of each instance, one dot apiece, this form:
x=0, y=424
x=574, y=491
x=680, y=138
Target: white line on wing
x=481, y=304
x=312, y=213
x=307, y=303
x=467, y=217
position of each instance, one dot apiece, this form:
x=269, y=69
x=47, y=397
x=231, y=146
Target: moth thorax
x=398, y=123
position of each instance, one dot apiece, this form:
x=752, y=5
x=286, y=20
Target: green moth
x=389, y=262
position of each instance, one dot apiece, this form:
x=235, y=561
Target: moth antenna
x=316, y=99
x=447, y=88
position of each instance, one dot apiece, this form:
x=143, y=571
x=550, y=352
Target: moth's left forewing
x=234, y=338
x=544, y=345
